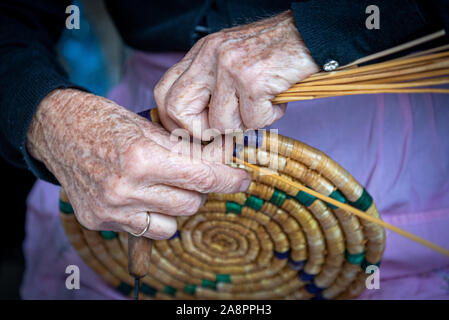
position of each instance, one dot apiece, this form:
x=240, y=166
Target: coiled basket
x=271, y=242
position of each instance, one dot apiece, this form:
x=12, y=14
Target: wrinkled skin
x=115, y=165
x=227, y=80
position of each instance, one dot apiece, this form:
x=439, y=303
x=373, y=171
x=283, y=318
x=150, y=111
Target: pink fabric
x=396, y=145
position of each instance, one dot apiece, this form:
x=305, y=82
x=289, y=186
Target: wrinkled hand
x=236, y=73
x=115, y=165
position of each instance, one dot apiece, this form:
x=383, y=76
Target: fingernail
x=244, y=186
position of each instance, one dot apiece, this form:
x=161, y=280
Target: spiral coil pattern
x=271, y=242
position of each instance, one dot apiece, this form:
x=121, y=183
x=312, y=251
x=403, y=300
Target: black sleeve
x=28, y=72
x=336, y=30
x=157, y=25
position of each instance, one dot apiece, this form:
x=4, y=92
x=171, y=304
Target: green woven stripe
x=233, y=207
x=278, y=197
x=148, y=290
x=190, y=289
x=65, y=207
x=108, y=235
x=124, y=288
x=224, y=278
x=305, y=198
x=364, y=202
x=209, y=284
x=356, y=258
x=337, y=196
x=170, y=290
x=254, y=202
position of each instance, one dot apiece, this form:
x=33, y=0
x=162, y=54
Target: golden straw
x=348, y=208
x=412, y=74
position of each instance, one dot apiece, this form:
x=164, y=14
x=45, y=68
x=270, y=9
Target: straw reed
x=411, y=74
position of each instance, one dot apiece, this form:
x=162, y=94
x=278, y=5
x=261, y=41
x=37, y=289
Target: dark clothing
x=336, y=29
x=331, y=30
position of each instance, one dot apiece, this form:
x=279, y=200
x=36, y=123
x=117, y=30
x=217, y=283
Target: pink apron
x=396, y=145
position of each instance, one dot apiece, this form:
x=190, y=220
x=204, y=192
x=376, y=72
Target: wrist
x=299, y=40
x=45, y=127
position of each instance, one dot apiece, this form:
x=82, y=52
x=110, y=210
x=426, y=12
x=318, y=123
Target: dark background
x=13, y=219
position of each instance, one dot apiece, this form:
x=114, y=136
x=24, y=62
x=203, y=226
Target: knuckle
x=132, y=154
x=90, y=226
x=171, y=106
x=260, y=121
x=184, y=205
x=214, y=40
x=132, y=158
x=161, y=89
x=206, y=179
x=192, y=205
x=88, y=222
x=102, y=216
x=115, y=192
x=252, y=78
x=228, y=57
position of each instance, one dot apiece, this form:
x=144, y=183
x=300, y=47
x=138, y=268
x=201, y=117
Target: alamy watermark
x=72, y=282
x=373, y=280
x=373, y=20
x=73, y=20
x=238, y=145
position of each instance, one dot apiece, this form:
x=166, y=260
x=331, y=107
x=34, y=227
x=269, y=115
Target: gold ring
x=144, y=230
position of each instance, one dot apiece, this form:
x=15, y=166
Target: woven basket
x=271, y=242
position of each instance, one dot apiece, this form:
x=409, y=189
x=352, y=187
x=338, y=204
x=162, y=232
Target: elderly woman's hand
x=236, y=73
x=115, y=165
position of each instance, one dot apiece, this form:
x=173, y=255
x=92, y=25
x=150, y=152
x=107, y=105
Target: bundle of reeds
x=416, y=73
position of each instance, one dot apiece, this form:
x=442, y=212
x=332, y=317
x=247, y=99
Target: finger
x=201, y=176
x=224, y=112
x=189, y=95
x=161, y=226
x=169, y=200
x=163, y=86
x=157, y=134
x=259, y=113
x=220, y=149
x=188, y=98
x=279, y=111
x=191, y=171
